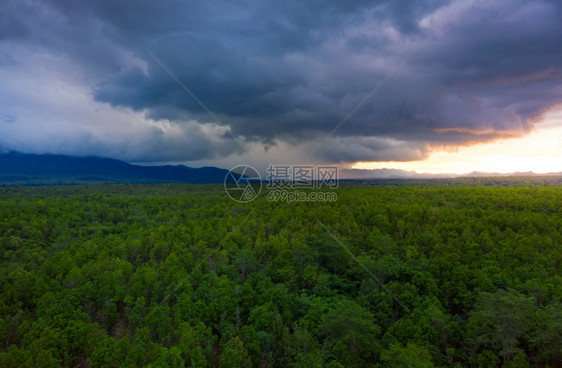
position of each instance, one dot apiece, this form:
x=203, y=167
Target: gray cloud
x=290, y=71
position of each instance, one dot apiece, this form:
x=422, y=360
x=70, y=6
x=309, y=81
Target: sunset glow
x=539, y=152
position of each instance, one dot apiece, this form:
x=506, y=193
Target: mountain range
x=48, y=169
x=404, y=174
x=31, y=169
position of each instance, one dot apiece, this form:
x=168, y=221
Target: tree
x=348, y=330
x=500, y=319
x=409, y=356
x=488, y=359
x=234, y=355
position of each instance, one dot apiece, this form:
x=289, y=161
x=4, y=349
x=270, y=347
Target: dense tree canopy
x=180, y=275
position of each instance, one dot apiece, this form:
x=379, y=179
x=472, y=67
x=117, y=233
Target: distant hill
x=30, y=169
x=403, y=174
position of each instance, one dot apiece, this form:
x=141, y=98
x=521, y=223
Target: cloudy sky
x=368, y=84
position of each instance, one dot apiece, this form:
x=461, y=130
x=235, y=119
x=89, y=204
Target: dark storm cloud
x=291, y=70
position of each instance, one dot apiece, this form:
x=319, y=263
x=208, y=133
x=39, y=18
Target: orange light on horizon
x=540, y=152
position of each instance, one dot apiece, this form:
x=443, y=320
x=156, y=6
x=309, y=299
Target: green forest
x=444, y=274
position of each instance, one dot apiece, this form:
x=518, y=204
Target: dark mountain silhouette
x=20, y=168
